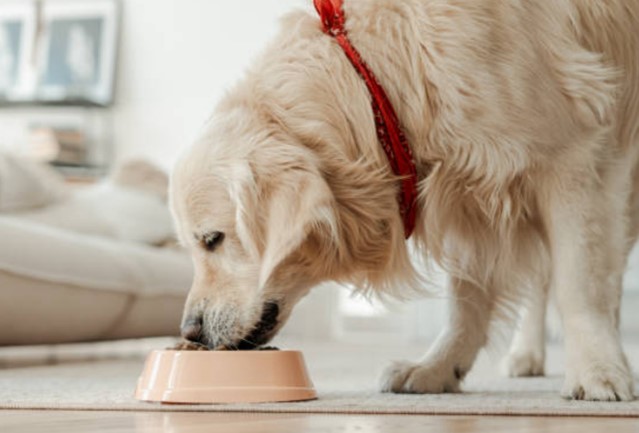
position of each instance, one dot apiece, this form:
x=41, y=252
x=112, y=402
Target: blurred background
x=97, y=99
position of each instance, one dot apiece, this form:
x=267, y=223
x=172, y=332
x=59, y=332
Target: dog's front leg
x=587, y=247
x=453, y=353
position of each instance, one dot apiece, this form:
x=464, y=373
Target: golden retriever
x=523, y=117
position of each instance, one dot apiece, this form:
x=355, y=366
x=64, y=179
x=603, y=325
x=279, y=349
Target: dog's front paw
x=599, y=382
x=524, y=364
x=421, y=378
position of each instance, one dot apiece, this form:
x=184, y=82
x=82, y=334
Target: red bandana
x=389, y=132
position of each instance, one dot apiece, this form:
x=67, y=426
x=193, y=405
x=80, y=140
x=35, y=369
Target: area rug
x=344, y=376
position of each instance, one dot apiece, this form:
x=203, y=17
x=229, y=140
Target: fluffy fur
x=524, y=123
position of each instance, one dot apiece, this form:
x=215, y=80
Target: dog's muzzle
x=193, y=329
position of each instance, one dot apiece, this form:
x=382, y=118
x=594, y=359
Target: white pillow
x=129, y=206
x=26, y=184
x=111, y=211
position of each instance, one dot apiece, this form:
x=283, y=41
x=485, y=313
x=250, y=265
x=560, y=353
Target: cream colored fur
x=524, y=123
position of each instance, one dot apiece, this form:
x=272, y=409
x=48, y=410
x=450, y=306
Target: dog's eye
x=212, y=240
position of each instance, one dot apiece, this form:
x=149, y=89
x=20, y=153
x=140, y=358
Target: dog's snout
x=215, y=327
x=192, y=329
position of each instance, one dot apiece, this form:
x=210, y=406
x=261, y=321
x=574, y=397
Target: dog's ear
x=283, y=199
x=301, y=202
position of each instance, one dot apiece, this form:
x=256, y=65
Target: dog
x=523, y=119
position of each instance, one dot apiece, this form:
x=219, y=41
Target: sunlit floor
x=176, y=422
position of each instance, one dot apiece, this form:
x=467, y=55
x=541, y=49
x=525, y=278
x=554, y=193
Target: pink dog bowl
x=172, y=376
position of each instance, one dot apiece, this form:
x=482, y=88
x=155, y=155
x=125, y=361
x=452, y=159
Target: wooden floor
x=119, y=422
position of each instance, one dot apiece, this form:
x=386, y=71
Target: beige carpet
x=345, y=377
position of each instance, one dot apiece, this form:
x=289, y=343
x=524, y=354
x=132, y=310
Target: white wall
x=177, y=58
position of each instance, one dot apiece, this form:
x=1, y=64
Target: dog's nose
x=192, y=329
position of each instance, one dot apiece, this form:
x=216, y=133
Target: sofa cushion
x=58, y=286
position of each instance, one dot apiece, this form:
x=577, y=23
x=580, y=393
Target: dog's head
x=260, y=222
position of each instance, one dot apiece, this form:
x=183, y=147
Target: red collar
x=389, y=131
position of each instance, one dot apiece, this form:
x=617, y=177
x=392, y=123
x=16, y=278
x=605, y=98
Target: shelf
x=79, y=103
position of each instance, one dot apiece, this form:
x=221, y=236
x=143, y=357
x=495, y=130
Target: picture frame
x=18, y=23
x=78, y=51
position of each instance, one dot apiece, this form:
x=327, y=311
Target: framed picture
x=78, y=51
x=17, y=34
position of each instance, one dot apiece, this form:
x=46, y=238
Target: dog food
x=190, y=345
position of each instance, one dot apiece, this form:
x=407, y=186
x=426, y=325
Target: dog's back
x=612, y=28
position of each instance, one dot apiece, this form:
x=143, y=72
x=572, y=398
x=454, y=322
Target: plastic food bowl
x=172, y=376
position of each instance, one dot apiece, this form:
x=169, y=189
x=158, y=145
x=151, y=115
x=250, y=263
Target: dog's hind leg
x=453, y=353
x=528, y=348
